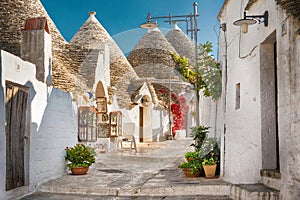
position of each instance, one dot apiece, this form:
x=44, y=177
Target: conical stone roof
x=92, y=35
x=13, y=15
x=182, y=44
x=152, y=60
x=153, y=48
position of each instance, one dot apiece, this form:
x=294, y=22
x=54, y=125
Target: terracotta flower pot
x=187, y=173
x=210, y=170
x=79, y=170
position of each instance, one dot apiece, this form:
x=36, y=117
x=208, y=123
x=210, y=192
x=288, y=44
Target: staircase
x=253, y=192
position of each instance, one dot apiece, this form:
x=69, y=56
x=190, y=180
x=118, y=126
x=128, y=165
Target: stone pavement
x=152, y=173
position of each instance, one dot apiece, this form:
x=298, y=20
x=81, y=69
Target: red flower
x=178, y=109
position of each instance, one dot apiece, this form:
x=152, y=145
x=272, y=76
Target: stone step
x=169, y=182
x=187, y=187
x=57, y=196
x=253, y=192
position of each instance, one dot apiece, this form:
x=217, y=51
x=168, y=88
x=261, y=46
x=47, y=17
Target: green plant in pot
x=191, y=155
x=209, y=166
x=192, y=168
x=79, y=158
x=200, y=134
x=210, y=149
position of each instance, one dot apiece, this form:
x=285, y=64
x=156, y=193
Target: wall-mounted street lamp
x=191, y=26
x=251, y=19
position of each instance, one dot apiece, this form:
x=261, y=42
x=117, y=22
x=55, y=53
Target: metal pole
x=196, y=61
x=170, y=111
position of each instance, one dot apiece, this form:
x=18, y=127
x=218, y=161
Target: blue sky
x=122, y=18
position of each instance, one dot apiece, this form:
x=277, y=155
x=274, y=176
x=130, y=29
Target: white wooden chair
x=128, y=136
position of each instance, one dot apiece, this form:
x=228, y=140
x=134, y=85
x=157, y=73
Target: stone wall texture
x=146, y=55
x=182, y=44
x=13, y=15
x=12, y=20
x=153, y=47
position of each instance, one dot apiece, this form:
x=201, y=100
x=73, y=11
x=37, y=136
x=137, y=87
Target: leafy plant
x=209, y=161
x=206, y=76
x=200, y=133
x=210, y=149
x=80, y=156
x=195, y=165
x=193, y=155
x=210, y=71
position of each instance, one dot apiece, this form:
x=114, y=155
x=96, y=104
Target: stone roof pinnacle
x=92, y=16
x=176, y=27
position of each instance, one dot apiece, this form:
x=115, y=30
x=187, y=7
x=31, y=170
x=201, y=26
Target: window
x=87, y=128
x=237, y=96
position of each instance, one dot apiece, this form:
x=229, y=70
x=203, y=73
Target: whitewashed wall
x=53, y=124
x=243, y=125
x=212, y=115
x=244, y=60
x=102, y=72
x=133, y=115
x=289, y=106
x=160, y=124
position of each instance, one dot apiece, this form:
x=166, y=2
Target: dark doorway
x=141, y=124
x=16, y=105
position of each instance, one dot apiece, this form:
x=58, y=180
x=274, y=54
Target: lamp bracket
x=259, y=18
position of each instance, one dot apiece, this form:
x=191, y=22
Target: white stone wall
x=243, y=138
x=160, y=124
x=289, y=98
x=53, y=124
x=245, y=60
x=133, y=116
x=102, y=72
x=57, y=130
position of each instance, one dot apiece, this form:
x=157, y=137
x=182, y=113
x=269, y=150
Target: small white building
x=259, y=119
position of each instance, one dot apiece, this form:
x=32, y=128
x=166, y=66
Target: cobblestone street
x=152, y=173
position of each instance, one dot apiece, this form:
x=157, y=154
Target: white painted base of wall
x=180, y=134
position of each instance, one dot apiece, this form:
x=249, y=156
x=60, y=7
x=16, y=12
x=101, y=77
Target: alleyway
x=151, y=173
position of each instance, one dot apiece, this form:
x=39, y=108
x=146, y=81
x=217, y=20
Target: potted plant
x=192, y=168
x=191, y=155
x=210, y=149
x=200, y=134
x=209, y=166
x=79, y=158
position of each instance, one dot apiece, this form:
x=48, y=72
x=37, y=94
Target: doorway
x=16, y=125
x=269, y=103
x=141, y=125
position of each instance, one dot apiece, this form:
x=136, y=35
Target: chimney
x=36, y=47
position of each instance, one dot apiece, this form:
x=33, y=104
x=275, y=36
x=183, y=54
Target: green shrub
x=80, y=156
x=210, y=161
x=194, y=164
x=199, y=133
x=194, y=154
